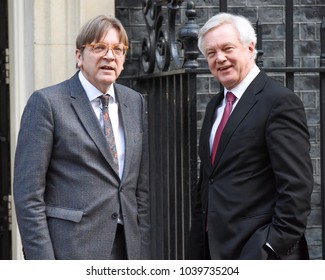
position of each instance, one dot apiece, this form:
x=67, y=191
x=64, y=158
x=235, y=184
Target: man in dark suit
x=253, y=195
x=81, y=192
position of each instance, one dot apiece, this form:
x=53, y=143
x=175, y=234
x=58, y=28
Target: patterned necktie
x=231, y=98
x=108, y=130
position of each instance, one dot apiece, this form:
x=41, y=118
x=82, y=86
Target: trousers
x=119, y=247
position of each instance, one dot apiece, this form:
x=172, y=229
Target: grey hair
x=245, y=29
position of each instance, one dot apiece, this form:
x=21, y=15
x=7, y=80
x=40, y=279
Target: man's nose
x=109, y=53
x=220, y=57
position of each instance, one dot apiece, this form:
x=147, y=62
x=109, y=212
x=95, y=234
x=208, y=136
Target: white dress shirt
x=93, y=95
x=238, y=91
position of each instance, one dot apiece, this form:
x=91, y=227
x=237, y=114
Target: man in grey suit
x=76, y=198
x=253, y=196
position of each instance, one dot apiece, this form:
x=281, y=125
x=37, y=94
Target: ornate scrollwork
x=150, y=10
x=161, y=48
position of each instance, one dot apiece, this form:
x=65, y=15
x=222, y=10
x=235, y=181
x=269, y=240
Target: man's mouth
x=224, y=68
x=107, y=68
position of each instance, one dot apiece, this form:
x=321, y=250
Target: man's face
x=228, y=59
x=101, y=70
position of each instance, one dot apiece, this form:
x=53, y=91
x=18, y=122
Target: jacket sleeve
x=197, y=233
x=32, y=158
x=288, y=145
x=143, y=198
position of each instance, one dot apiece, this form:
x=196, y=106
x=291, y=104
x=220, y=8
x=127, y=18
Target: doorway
x=5, y=190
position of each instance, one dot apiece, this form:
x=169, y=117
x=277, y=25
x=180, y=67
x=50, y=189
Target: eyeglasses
x=102, y=49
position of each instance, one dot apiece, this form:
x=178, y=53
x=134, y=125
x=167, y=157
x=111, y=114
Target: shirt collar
x=91, y=91
x=239, y=90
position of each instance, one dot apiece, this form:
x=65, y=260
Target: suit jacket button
x=114, y=215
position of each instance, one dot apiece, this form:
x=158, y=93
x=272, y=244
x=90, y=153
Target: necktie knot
x=104, y=98
x=230, y=97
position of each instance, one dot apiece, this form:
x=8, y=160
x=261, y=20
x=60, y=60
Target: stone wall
x=130, y=13
x=307, y=19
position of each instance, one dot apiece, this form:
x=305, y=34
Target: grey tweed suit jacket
x=66, y=192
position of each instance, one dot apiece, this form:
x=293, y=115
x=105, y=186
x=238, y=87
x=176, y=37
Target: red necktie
x=231, y=98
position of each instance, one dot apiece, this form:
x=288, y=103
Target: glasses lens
x=99, y=48
x=118, y=50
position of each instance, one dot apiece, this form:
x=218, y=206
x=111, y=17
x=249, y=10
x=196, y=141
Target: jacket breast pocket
x=64, y=213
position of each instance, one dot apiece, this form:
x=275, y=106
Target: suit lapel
x=245, y=104
x=206, y=129
x=86, y=114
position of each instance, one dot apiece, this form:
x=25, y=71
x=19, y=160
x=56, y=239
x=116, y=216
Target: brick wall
x=130, y=13
x=271, y=13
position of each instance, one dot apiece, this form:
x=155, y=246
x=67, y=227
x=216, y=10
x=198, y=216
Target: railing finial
x=189, y=36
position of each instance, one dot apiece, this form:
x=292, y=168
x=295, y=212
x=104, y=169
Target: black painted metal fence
x=172, y=126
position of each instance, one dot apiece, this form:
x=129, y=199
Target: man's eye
x=118, y=49
x=99, y=47
x=210, y=53
x=227, y=49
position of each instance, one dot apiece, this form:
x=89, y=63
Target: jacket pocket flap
x=64, y=214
